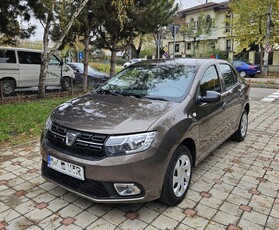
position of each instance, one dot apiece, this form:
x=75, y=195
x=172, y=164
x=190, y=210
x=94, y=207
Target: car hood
x=110, y=114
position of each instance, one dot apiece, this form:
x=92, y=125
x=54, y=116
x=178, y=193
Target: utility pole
x=267, y=46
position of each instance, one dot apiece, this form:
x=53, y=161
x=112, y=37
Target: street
x=235, y=187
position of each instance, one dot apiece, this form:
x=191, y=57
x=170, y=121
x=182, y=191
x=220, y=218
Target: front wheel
x=241, y=132
x=178, y=177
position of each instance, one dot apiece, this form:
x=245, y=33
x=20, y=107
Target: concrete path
x=236, y=187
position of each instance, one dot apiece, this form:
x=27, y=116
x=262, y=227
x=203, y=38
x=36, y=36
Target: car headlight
x=128, y=144
x=47, y=125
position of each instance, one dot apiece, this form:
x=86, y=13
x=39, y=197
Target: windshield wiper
x=132, y=94
x=156, y=98
x=105, y=91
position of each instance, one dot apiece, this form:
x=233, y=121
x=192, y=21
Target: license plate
x=65, y=167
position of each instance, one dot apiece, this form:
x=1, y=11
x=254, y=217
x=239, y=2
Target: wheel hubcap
x=243, y=124
x=181, y=175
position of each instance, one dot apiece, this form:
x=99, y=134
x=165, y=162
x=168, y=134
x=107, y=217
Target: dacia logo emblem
x=71, y=136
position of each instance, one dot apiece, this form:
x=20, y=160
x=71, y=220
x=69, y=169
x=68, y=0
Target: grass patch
x=23, y=122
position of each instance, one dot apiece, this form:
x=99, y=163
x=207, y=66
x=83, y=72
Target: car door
x=209, y=115
x=54, y=71
x=231, y=97
x=29, y=68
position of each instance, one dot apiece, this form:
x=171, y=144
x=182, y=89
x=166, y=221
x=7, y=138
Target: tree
x=151, y=17
x=249, y=23
x=12, y=13
x=49, y=11
x=117, y=33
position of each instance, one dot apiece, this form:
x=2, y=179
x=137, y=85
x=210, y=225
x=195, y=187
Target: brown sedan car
x=138, y=137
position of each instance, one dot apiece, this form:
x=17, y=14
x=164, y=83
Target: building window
x=229, y=45
x=228, y=25
x=176, y=48
x=188, y=45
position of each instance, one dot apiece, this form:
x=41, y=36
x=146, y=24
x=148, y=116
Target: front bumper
x=146, y=170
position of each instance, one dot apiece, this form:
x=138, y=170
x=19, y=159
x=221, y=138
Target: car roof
x=179, y=61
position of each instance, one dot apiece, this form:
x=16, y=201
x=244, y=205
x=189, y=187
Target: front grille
x=87, y=187
x=87, y=145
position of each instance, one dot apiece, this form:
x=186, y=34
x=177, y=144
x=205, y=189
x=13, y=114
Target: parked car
x=132, y=61
x=20, y=68
x=246, y=69
x=94, y=76
x=138, y=137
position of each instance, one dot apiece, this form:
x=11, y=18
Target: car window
x=29, y=57
x=228, y=75
x=54, y=61
x=7, y=56
x=210, y=81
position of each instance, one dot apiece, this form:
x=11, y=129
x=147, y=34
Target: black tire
x=8, y=87
x=178, y=177
x=66, y=83
x=241, y=132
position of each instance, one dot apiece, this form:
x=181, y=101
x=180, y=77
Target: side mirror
x=210, y=97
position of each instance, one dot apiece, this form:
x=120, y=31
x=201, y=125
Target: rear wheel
x=8, y=87
x=178, y=177
x=241, y=132
x=66, y=83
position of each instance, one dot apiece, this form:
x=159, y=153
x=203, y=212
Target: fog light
x=127, y=189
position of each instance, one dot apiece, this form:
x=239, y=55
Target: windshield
x=161, y=82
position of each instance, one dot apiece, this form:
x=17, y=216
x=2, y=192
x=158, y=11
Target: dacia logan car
x=137, y=137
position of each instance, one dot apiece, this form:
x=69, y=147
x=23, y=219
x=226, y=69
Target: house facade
x=206, y=31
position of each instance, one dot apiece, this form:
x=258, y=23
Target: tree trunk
x=112, y=62
x=86, y=59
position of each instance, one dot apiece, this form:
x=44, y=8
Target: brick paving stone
x=254, y=191
x=41, y=205
x=245, y=224
x=245, y=208
x=273, y=223
x=69, y=211
x=205, y=194
x=99, y=209
x=37, y=215
x=190, y=212
x=68, y=221
x=255, y=217
x=20, y=223
x=135, y=224
x=115, y=217
x=196, y=222
x=51, y=222
x=25, y=207
x=3, y=224
x=84, y=219
x=205, y=211
x=225, y=218
x=164, y=222
x=131, y=215
x=101, y=224
x=147, y=215
x=233, y=227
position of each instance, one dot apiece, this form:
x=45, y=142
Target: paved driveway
x=236, y=187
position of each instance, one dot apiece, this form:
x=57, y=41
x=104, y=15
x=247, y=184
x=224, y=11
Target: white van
x=20, y=68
